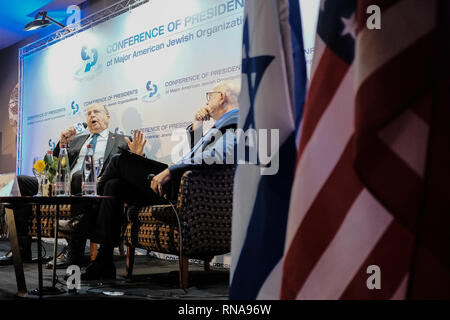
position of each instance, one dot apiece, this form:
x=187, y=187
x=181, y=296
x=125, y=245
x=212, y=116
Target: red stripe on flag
x=387, y=92
x=321, y=223
x=319, y=96
x=397, y=185
x=422, y=107
x=392, y=254
x=362, y=14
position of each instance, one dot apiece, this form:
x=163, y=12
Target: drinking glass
x=38, y=176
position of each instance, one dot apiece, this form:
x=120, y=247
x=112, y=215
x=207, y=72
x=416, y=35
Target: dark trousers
x=125, y=178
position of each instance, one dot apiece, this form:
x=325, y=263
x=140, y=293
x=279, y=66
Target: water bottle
x=89, y=183
x=62, y=187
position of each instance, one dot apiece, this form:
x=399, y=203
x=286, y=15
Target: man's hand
x=137, y=146
x=201, y=115
x=159, y=180
x=67, y=135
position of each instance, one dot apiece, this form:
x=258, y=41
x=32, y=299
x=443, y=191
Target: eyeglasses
x=208, y=94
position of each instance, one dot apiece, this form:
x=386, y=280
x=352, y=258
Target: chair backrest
x=205, y=205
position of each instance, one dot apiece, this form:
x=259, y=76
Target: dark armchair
x=204, y=206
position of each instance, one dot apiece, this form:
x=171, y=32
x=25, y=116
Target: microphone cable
x=180, y=257
x=180, y=237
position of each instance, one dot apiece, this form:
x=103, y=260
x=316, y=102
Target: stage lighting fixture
x=43, y=22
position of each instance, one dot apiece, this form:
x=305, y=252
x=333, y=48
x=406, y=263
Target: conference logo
x=118, y=131
x=73, y=111
x=51, y=144
x=152, y=92
x=90, y=66
x=75, y=108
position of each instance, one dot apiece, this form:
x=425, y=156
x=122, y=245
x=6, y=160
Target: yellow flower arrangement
x=51, y=166
x=39, y=166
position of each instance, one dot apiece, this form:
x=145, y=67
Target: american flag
x=358, y=197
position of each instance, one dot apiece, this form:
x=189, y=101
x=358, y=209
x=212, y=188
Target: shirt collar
x=225, y=117
x=103, y=134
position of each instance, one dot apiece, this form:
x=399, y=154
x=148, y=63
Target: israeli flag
x=272, y=97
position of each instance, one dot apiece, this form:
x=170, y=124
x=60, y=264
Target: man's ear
x=223, y=98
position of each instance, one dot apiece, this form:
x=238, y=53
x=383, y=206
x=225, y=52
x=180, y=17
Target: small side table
x=9, y=203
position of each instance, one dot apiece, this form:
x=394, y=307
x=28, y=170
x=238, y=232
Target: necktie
x=94, y=141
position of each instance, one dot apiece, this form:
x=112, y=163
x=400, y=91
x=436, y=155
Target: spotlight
x=43, y=22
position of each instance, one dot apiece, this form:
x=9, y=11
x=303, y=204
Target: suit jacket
x=113, y=145
x=196, y=161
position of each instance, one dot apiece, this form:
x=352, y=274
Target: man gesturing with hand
x=106, y=145
x=128, y=174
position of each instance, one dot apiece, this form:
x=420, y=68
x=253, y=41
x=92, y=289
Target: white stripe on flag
x=322, y=153
x=363, y=226
x=400, y=294
x=402, y=34
x=407, y=136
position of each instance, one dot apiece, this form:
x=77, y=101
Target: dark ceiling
x=15, y=14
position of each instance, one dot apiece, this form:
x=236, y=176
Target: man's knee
x=112, y=187
x=115, y=160
x=75, y=184
x=28, y=185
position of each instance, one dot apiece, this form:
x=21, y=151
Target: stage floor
x=153, y=278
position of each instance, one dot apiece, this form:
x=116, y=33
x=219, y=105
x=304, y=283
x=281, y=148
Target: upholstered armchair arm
x=205, y=205
x=211, y=186
x=151, y=214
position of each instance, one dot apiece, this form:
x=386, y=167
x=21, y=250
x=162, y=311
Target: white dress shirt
x=99, y=152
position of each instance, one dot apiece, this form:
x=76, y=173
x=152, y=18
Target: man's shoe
x=99, y=271
x=7, y=259
x=69, y=225
x=62, y=260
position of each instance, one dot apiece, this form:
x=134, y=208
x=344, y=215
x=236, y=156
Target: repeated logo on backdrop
x=51, y=144
x=75, y=108
x=152, y=92
x=90, y=56
x=90, y=66
x=118, y=131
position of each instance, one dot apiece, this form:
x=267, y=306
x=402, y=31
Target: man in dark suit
x=105, y=144
x=126, y=177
